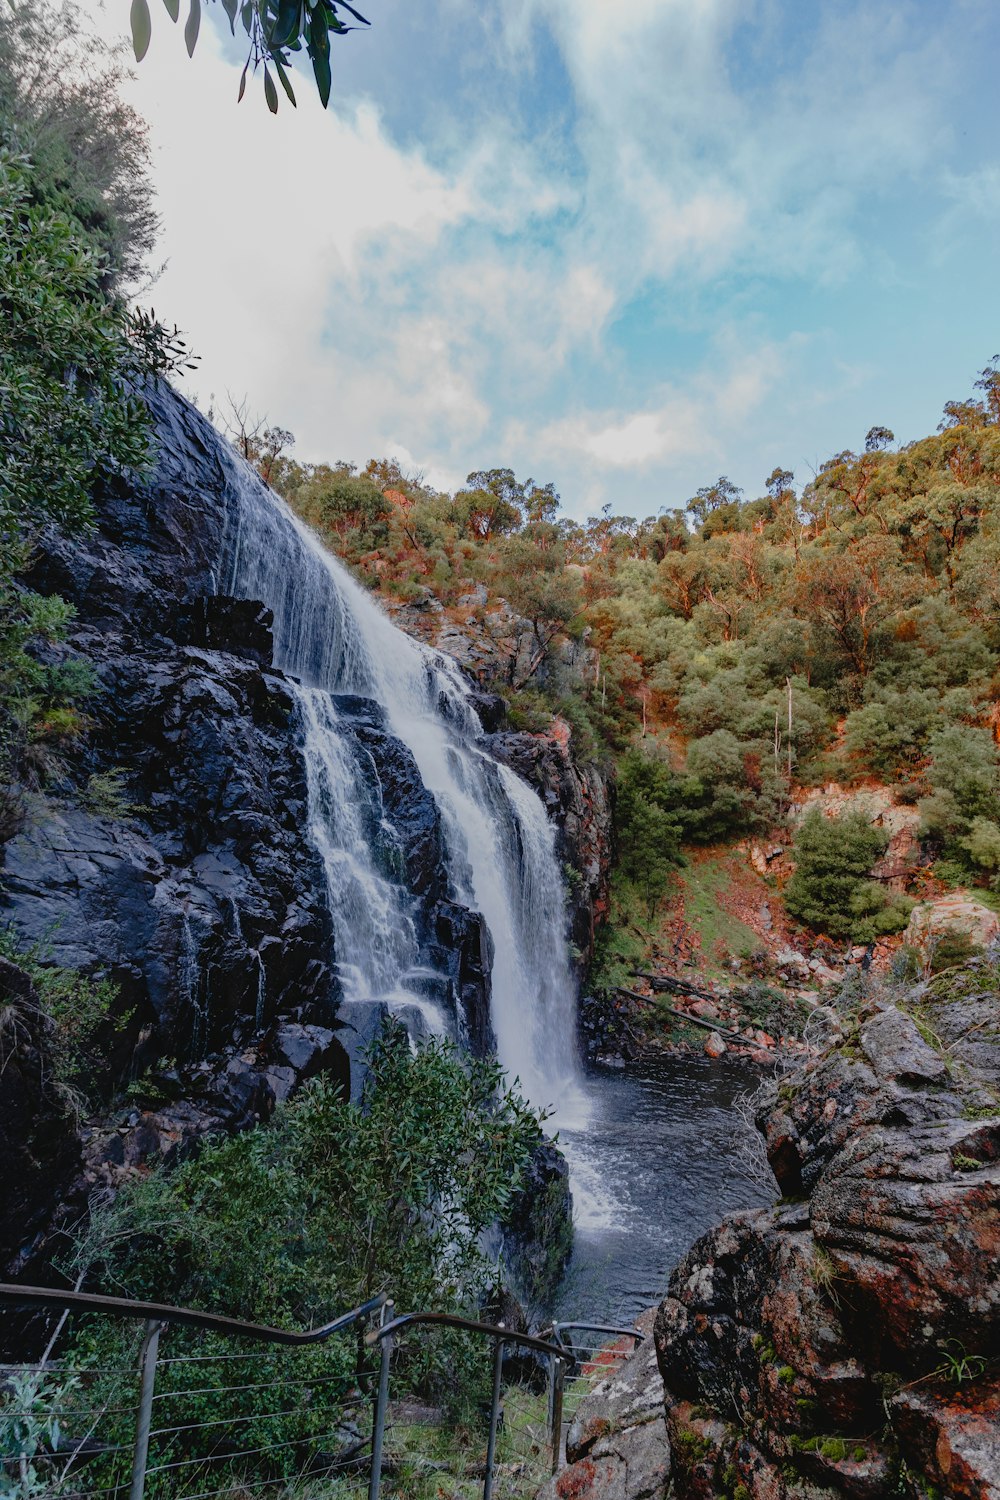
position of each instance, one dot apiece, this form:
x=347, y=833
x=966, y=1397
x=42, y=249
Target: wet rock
x=538, y=1228
x=578, y=800
x=39, y=1147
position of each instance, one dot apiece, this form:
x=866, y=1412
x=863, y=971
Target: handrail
x=448, y=1320
x=631, y=1333
x=161, y=1312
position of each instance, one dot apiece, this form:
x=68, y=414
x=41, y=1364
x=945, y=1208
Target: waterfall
x=332, y=637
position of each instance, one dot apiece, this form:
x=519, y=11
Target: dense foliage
x=76, y=225
x=830, y=890
x=333, y=1202
x=740, y=649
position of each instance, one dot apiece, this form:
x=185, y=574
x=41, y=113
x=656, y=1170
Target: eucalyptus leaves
x=276, y=29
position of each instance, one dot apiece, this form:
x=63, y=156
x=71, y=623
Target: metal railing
x=503, y=1338
x=593, y=1352
x=152, y=1437
x=208, y=1420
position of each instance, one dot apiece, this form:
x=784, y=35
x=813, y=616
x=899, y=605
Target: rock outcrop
x=616, y=1447
x=844, y=1343
x=958, y=912
x=174, y=857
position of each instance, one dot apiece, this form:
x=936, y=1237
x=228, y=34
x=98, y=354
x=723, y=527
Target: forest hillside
x=817, y=666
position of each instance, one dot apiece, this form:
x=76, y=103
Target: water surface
x=661, y=1159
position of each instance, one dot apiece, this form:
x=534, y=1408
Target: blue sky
x=622, y=247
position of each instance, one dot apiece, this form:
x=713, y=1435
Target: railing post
x=491, y=1445
x=381, y=1402
x=150, y=1345
x=552, y=1379
x=559, y=1375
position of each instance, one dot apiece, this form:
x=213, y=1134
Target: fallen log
x=673, y=986
x=682, y=1015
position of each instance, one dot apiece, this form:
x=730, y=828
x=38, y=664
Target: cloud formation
x=628, y=248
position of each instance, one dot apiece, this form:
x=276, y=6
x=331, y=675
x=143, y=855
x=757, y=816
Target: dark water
x=660, y=1161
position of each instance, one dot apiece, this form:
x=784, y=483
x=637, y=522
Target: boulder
x=789, y=1335
x=617, y=1446
x=957, y=911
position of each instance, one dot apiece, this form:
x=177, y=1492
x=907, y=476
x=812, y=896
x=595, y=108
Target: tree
x=722, y=497
x=495, y=503
x=531, y=574
x=830, y=890
x=276, y=29
x=963, y=811
x=61, y=105
x=647, y=825
x=334, y=1202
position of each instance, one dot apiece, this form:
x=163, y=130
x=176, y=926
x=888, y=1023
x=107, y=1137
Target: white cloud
x=681, y=424
x=460, y=301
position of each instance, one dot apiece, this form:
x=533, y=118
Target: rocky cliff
x=845, y=1342
x=173, y=856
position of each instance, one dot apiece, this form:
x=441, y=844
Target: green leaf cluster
x=79, y=1013
x=830, y=890
x=276, y=29
x=334, y=1201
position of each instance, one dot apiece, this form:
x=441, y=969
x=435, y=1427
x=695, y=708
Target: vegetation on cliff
x=77, y=225
x=737, y=650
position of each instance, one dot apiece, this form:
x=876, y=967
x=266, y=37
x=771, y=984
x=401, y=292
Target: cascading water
x=331, y=636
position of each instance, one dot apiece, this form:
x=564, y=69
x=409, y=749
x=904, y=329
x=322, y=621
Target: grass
x=423, y=1461
x=704, y=885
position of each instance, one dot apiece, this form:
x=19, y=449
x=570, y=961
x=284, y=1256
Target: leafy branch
x=276, y=29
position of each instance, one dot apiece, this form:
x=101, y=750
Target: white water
x=331, y=635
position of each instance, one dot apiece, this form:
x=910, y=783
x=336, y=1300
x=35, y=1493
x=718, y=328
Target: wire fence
x=137, y=1402
x=594, y=1354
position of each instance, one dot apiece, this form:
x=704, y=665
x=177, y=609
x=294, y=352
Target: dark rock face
x=41, y=1152
x=578, y=800
x=194, y=887
x=811, y=1349
x=538, y=1231
x=455, y=941
x=202, y=900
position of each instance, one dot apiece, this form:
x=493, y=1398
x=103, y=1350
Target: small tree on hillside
x=830, y=890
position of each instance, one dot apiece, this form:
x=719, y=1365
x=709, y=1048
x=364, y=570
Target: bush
x=81, y=1012
x=334, y=1202
x=962, y=812
x=647, y=823
x=829, y=890
x=731, y=788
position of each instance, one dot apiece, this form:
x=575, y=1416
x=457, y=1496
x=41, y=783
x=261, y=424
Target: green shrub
x=81, y=1010
x=333, y=1201
x=829, y=890
x=647, y=822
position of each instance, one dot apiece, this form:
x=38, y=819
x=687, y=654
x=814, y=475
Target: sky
x=621, y=247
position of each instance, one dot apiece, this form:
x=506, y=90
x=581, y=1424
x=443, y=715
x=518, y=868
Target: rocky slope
x=192, y=884
x=844, y=1343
